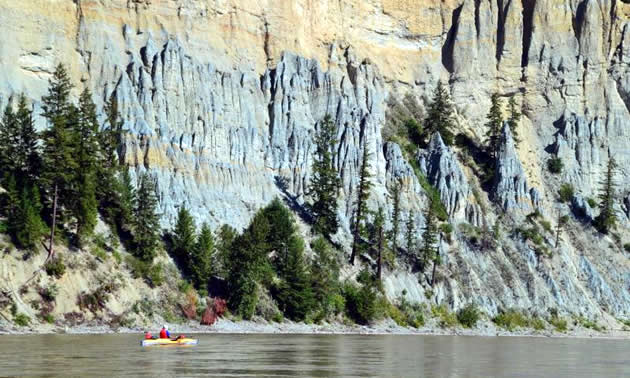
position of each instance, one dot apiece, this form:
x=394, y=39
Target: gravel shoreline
x=224, y=326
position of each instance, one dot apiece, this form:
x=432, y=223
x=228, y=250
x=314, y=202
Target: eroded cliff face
x=221, y=99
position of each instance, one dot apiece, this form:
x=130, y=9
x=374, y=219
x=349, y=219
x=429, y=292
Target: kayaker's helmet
x=165, y=327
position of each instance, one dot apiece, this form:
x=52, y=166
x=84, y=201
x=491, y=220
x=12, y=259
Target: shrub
x=555, y=165
x=447, y=318
x=511, y=319
x=155, y=276
x=49, y=293
x=99, y=253
x=360, y=302
x=22, y=320
x=591, y=202
x=559, y=323
x=468, y=316
x=566, y=193
x=626, y=247
x=538, y=324
x=48, y=318
x=546, y=225
x=117, y=257
x=55, y=267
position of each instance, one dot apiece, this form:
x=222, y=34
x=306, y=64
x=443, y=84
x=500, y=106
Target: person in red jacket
x=164, y=333
x=147, y=335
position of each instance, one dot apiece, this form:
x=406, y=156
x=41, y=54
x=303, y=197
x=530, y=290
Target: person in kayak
x=164, y=333
x=148, y=335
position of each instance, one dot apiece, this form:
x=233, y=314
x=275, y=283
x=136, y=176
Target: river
x=315, y=356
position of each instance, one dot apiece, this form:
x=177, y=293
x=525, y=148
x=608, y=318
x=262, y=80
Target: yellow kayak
x=160, y=342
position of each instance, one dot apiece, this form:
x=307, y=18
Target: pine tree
x=410, y=235
x=393, y=234
x=127, y=200
x=248, y=265
x=514, y=118
x=379, y=240
x=295, y=295
x=26, y=155
x=89, y=161
x=202, y=256
x=607, y=219
x=361, y=210
x=440, y=115
x=30, y=227
x=494, y=125
x=325, y=182
x=283, y=225
x=59, y=163
x=146, y=234
x=429, y=252
x=324, y=276
x=184, y=238
x=9, y=134
x=225, y=237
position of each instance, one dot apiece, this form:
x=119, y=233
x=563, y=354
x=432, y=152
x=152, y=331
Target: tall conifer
x=325, y=182
x=360, y=204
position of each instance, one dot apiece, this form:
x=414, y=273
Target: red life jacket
x=148, y=336
x=163, y=334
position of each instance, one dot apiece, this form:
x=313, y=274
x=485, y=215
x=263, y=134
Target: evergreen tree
x=248, y=265
x=89, y=161
x=9, y=134
x=184, y=239
x=295, y=295
x=283, y=225
x=440, y=115
x=26, y=155
x=514, y=117
x=325, y=182
x=393, y=234
x=30, y=226
x=494, y=125
x=225, y=237
x=410, y=235
x=146, y=234
x=109, y=169
x=429, y=251
x=324, y=276
x=379, y=240
x=361, y=210
x=127, y=200
x=59, y=163
x=203, y=253
x=607, y=219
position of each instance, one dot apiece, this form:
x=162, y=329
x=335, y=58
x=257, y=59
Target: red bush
x=190, y=311
x=215, y=309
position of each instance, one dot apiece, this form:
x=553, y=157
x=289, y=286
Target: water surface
x=315, y=356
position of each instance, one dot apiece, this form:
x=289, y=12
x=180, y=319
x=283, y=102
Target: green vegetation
x=361, y=211
x=446, y=318
x=607, y=220
x=407, y=314
x=21, y=320
x=555, y=165
x=429, y=252
x=325, y=182
x=55, y=267
x=559, y=323
x=566, y=193
x=440, y=115
x=511, y=320
x=393, y=233
x=468, y=316
x=494, y=126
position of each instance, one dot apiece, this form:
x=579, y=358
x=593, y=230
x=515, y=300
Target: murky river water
x=315, y=356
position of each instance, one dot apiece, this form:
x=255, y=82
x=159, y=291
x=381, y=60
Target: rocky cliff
x=220, y=100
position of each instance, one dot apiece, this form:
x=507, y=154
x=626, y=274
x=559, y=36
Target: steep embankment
x=220, y=99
